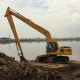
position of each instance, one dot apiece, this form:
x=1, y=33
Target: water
x=31, y=50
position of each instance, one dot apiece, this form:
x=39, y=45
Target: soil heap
x=15, y=70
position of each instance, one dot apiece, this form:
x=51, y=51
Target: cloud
x=76, y=17
x=58, y=16
x=29, y=3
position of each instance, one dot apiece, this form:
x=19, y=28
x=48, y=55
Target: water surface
x=33, y=49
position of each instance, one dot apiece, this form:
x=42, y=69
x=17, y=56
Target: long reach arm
x=10, y=12
x=45, y=32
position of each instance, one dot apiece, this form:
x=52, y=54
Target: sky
x=60, y=17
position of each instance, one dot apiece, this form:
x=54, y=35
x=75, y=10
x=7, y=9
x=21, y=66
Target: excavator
x=54, y=53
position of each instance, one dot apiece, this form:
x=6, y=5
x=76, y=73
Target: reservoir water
x=33, y=49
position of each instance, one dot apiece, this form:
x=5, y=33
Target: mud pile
x=15, y=70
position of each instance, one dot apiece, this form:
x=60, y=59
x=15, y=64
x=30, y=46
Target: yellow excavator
x=54, y=53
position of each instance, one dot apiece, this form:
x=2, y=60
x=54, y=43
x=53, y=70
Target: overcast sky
x=60, y=17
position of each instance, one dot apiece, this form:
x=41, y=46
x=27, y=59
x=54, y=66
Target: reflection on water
x=31, y=50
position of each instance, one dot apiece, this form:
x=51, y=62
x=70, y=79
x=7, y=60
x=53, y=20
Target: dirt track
x=68, y=71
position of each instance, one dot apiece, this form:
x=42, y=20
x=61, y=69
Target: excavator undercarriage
x=52, y=59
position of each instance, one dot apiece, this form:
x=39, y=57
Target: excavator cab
x=51, y=47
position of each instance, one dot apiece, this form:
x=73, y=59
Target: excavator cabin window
x=51, y=47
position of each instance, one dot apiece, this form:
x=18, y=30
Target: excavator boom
x=30, y=23
x=51, y=46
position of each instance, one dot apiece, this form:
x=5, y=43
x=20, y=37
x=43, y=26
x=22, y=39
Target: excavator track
x=60, y=59
x=52, y=59
x=42, y=58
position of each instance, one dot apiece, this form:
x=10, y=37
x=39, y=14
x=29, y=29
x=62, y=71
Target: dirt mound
x=15, y=70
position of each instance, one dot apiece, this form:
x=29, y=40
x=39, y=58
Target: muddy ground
x=16, y=70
